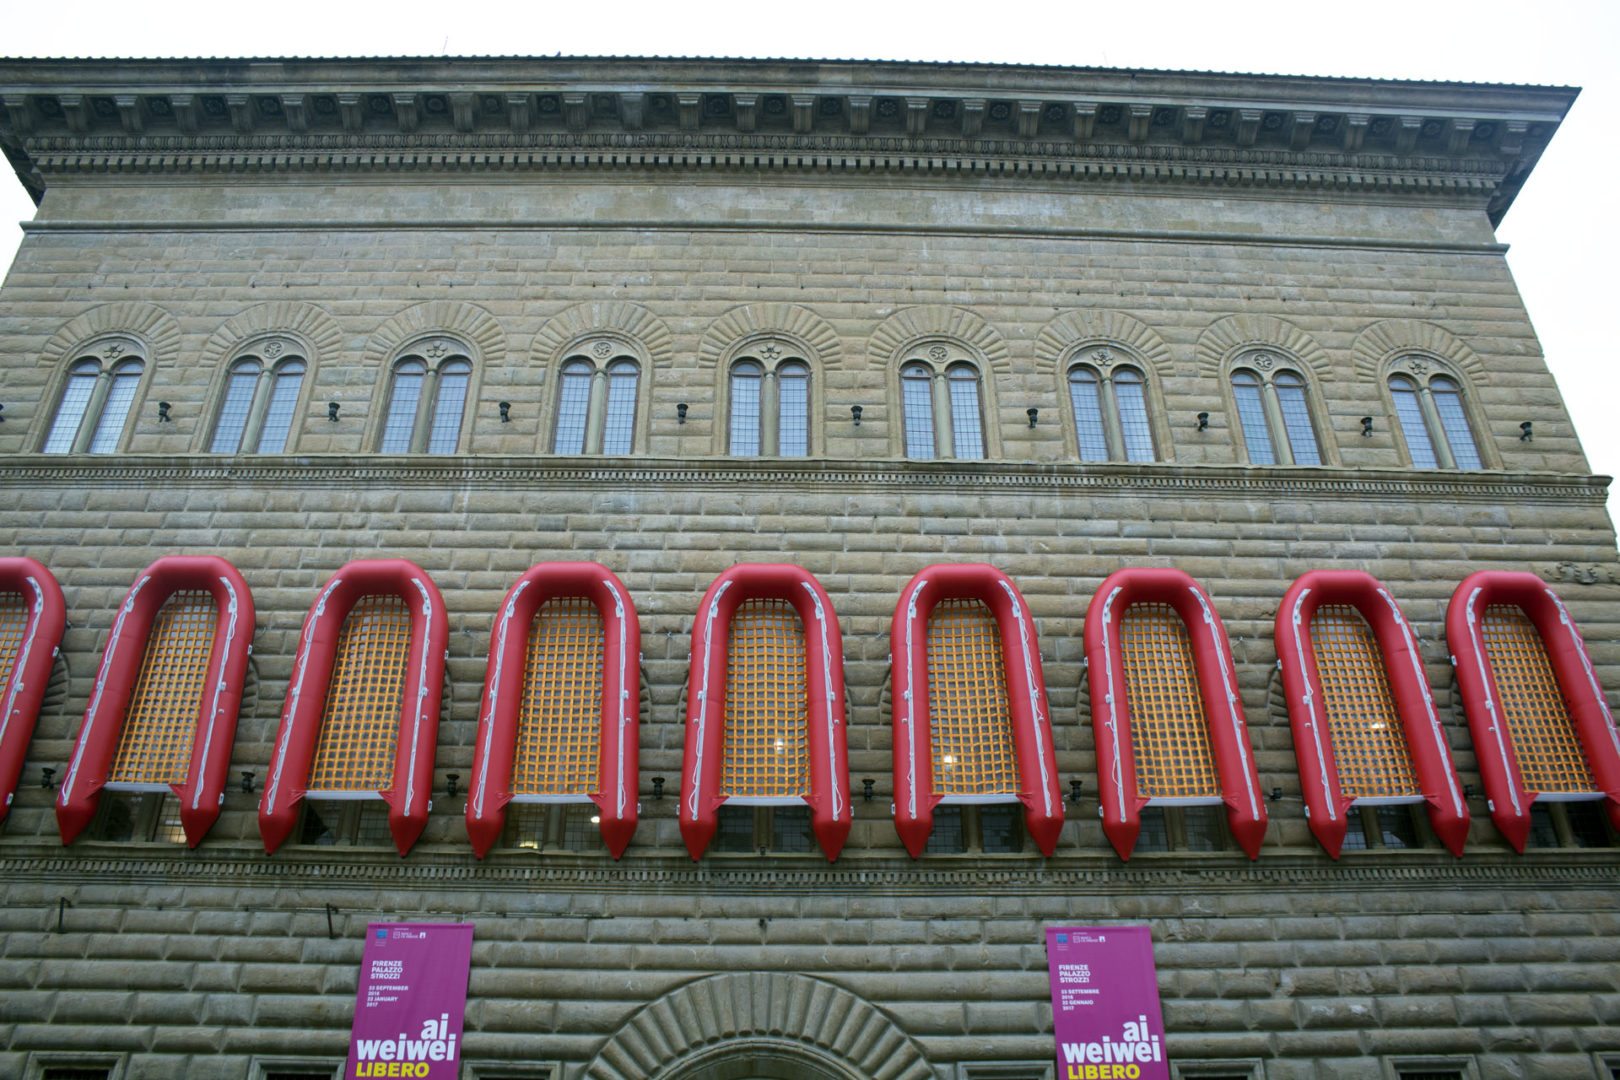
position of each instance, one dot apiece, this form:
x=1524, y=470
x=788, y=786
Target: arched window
x=1542, y=728
x=766, y=723
x=967, y=412
x=260, y=402
x=427, y=399
x=163, y=717
x=1111, y=414
x=917, y=399
x=361, y=720
x=1274, y=413
x=596, y=405
x=970, y=720
x=769, y=405
x=943, y=403
x=562, y=694
x=1434, y=422
x=93, y=411
x=1169, y=726
x=1366, y=731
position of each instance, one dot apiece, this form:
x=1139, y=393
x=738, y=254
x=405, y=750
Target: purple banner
x=411, y=1002
x=1105, y=1003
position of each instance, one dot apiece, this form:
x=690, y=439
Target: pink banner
x=411, y=1001
x=1105, y=1003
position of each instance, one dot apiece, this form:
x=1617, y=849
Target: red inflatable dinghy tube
x=152, y=693
x=1410, y=762
x=917, y=789
x=1510, y=637
x=34, y=618
x=604, y=623
x=771, y=709
x=405, y=783
x=1227, y=775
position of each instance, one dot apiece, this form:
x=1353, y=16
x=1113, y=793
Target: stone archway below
x=758, y=1059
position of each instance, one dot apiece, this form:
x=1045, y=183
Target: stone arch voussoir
x=1383, y=341
x=824, y=1019
x=914, y=324
x=751, y=320
x=313, y=324
x=1234, y=334
x=1059, y=337
x=154, y=327
x=478, y=327
x=617, y=317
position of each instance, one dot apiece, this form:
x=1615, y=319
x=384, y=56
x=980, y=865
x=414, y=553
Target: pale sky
x=1562, y=226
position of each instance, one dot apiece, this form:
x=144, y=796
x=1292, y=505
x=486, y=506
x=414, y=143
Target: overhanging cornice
x=1001, y=122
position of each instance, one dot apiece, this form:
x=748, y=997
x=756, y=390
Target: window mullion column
x=424, y=411
x=257, y=410
x=770, y=420
x=944, y=428
x=92, y=413
x=1281, y=447
x=1437, y=429
x=596, y=413
x=1113, y=431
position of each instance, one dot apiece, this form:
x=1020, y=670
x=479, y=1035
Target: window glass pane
x=790, y=829
x=1355, y=831
x=401, y=422
x=445, y=430
x=233, y=411
x=1449, y=404
x=573, y=401
x=735, y=829
x=1543, y=833
x=1001, y=829
x=1133, y=416
x=916, y=392
x=947, y=837
x=70, y=413
x=278, y=418
x=1202, y=826
x=1586, y=824
x=966, y=422
x=1252, y=415
x=793, y=410
x=1396, y=828
x=1410, y=414
x=113, y=414
x=1297, y=419
x=746, y=380
x=618, y=436
x=1084, y=391
x=582, y=830
x=317, y=829
x=1155, y=834
x=371, y=825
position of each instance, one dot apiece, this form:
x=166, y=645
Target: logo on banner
x=411, y=1001
x=1105, y=1004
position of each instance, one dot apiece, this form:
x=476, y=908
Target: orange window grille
x=1168, y=730
x=559, y=732
x=1544, y=740
x=155, y=747
x=360, y=726
x=13, y=624
x=967, y=702
x=766, y=752
x=1369, y=743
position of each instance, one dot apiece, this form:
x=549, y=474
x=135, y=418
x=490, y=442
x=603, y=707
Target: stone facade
x=686, y=214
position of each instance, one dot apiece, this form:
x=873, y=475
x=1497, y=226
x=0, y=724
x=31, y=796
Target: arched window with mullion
x=967, y=416
x=1448, y=402
x=126, y=378
x=573, y=405
x=279, y=413
x=1296, y=416
x=1252, y=417
x=1130, y=393
x=81, y=385
x=444, y=432
x=427, y=400
x=618, y=433
x=236, y=407
x=403, y=400
x=793, y=410
x=917, y=399
x=1414, y=428
x=1085, y=396
x=747, y=394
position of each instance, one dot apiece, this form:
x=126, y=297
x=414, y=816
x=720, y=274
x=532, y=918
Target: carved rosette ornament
x=274, y=349
x=1417, y=364
x=1102, y=357
x=601, y=350
x=1264, y=361
x=938, y=354
x=435, y=350
x=770, y=352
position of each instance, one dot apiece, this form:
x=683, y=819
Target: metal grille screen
x=967, y=694
x=155, y=747
x=766, y=753
x=1544, y=740
x=360, y=727
x=13, y=624
x=559, y=725
x=1168, y=730
x=1369, y=743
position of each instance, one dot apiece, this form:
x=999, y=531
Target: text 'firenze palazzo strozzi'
x=763, y=540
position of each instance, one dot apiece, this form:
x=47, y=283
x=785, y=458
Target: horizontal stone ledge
x=841, y=475
x=462, y=226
